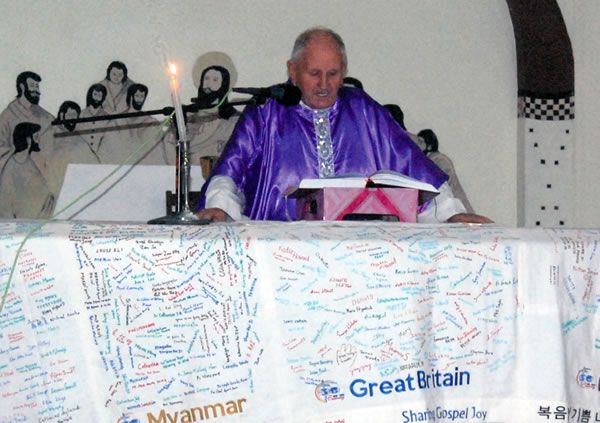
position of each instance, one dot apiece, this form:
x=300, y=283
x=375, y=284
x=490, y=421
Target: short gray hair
x=305, y=37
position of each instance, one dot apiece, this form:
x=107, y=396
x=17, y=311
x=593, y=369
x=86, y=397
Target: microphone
x=286, y=94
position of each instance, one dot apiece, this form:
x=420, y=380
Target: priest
x=334, y=130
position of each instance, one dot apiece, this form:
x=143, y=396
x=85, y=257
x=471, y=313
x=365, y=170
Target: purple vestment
x=273, y=147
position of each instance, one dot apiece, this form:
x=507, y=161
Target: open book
x=387, y=178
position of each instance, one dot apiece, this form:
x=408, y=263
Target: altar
x=298, y=322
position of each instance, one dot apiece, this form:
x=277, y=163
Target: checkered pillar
x=546, y=180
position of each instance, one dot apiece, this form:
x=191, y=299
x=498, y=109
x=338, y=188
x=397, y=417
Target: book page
x=381, y=177
x=354, y=181
x=389, y=177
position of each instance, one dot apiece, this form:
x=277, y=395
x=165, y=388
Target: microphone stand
x=183, y=215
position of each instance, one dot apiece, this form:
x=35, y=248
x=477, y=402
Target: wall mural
x=35, y=153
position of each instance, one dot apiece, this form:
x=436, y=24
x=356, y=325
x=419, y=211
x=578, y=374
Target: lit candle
x=177, y=102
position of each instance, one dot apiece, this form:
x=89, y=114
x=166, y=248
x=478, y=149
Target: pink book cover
x=337, y=203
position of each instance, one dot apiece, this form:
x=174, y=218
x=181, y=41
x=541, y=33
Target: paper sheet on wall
x=132, y=194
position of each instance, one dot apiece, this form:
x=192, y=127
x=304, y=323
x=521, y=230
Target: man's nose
x=323, y=82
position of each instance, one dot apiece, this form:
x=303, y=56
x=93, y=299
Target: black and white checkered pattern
x=548, y=108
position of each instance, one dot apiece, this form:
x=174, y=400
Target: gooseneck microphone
x=286, y=94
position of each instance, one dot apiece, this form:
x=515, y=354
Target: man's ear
x=291, y=70
x=22, y=88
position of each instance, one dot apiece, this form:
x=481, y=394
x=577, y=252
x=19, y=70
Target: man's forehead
x=31, y=81
x=321, y=47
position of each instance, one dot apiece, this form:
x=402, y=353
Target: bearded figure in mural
x=95, y=133
x=209, y=129
x=68, y=147
x=25, y=108
x=144, y=130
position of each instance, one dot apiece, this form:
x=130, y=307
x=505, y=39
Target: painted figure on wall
x=427, y=142
x=136, y=97
x=398, y=115
x=100, y=134
x=118, y=140
x=144, y=129
x=24, y=108
x=432, y=151
x=116, y=82
x=350, y=81
x=24, y=191
x=209, y=129
x=68, y=147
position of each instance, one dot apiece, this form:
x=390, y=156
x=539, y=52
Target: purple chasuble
x=273, y=147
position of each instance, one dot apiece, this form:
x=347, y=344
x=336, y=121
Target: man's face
x=318, y=72
x=138, y=99
x=212, y=81
x=97, y=98
x=116, y=75
x=32, y=91
x=70, y=114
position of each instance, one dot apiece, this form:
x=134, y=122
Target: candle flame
x=173, y=68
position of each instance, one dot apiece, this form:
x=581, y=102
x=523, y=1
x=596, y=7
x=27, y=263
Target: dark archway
x=545, y=65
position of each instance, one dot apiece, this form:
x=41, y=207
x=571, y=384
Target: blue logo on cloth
x=127, y=418
x=328, y=390
x=585, y=379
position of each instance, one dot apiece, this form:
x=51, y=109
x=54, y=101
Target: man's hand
x=469, y=218
x=214, y=214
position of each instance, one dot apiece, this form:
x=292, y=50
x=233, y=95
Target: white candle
x=174, y=83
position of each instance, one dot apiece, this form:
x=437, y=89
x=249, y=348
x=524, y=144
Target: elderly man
x=335, y=130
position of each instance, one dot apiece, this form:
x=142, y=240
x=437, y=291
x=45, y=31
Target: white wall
x=450, y=65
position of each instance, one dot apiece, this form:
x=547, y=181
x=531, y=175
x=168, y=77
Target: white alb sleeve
x=441, y=207
x=222, y=193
